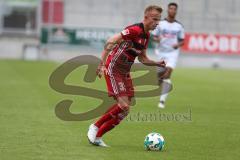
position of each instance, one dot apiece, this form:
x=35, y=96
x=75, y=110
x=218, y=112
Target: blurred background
x=61, y=29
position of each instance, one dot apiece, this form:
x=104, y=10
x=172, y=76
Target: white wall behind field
x=12, y=47
x=209, y=16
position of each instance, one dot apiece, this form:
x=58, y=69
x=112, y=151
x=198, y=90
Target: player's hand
x=101, y=70
x=161, y=63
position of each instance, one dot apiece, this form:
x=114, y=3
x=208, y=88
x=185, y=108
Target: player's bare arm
x=110, y=44
x=146, y=61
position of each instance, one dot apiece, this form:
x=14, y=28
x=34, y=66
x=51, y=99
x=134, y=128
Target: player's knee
x=160, y=72
x=124, y=106
x=166, y=74
x=125, y=110
x=124, y=103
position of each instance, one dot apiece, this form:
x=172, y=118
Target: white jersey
x=170, y=33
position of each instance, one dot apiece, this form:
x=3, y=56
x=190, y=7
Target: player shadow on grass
x=56, y=82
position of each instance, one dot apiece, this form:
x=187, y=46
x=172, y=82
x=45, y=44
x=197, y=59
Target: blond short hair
x=153, y=7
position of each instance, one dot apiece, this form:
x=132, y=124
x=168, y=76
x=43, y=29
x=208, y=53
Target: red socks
x=110, y=119
x=107, y=126
x=112, y=113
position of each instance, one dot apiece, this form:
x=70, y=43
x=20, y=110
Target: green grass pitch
x=30, y=130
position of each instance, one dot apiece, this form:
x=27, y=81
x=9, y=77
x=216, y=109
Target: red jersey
x=123, y=55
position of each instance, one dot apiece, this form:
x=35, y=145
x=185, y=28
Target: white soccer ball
x=154, y=142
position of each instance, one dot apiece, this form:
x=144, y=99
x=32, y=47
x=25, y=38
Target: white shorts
x=170, y=58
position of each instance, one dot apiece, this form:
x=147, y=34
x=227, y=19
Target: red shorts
x=119, y=85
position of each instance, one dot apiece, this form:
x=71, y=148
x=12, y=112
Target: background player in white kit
x=170, y=37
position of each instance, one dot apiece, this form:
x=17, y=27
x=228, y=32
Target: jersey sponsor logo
x=125, y=32
x=169, y=33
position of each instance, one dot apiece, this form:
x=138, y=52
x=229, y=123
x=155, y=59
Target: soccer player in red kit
x=115, y=65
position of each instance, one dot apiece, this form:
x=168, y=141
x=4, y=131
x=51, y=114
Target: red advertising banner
x=212, y=43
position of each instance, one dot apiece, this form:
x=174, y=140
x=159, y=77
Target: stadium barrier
x=95, y=38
